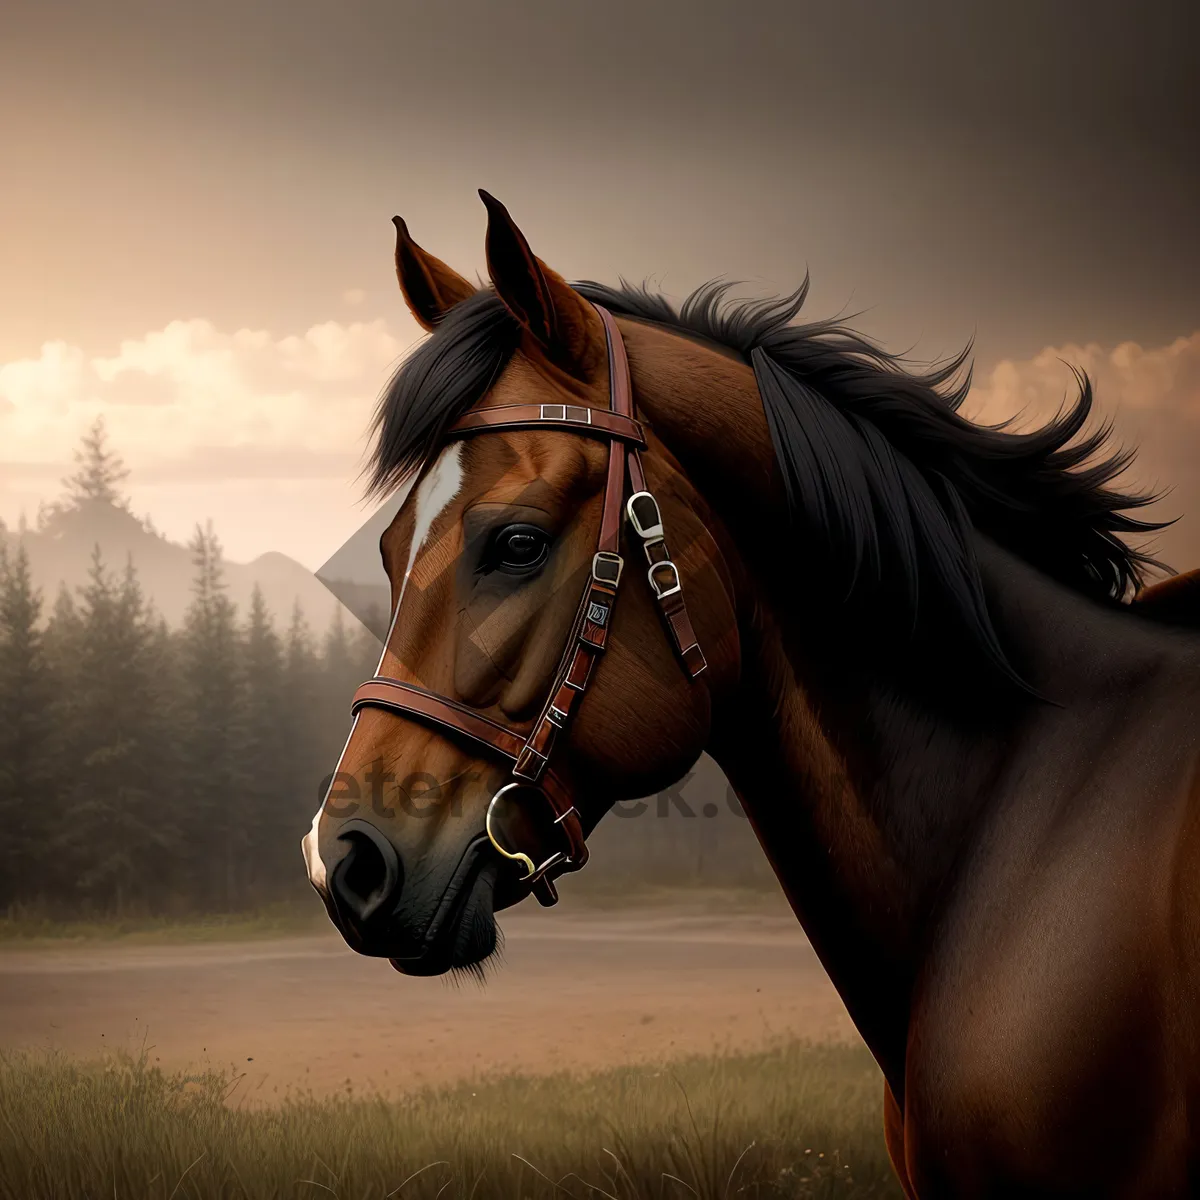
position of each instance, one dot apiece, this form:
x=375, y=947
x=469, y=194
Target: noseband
x=530, y=753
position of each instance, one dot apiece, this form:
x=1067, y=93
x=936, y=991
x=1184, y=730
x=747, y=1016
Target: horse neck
x=864, y=794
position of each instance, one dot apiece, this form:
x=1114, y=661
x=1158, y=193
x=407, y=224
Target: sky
x=196, y=203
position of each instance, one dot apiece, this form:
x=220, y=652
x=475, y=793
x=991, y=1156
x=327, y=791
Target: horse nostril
x=368, y=875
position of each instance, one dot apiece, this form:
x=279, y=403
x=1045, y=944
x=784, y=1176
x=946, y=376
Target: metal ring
x=532, y=873
x=487, y=824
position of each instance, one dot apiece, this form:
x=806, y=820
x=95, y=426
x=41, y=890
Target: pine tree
x=62, y=643
x=365, y=649
x=100, y=471
x=341, y=669
x=112, y=834
x=62, y=640
x=267, y=747
x=149, y=688
x=346, y=662
x=167, y=875
x=308, y=762
x=213, y=736
x=27, y=720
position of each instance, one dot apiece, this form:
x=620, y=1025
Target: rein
x=534, y=785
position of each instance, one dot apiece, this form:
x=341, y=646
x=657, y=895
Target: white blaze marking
x=437, y=490
x=435, y=493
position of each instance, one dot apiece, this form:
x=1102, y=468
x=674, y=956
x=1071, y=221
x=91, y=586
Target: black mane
x=884, y=478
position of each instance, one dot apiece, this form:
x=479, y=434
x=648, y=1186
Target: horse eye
x=519, y=548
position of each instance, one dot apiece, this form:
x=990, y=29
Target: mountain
x=355, y=574
x=60, y=552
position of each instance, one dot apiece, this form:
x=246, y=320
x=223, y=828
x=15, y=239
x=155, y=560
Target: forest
x=155, y=769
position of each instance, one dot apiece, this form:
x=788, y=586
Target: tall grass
x=798, y=1121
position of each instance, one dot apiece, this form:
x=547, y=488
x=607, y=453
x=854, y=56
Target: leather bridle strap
x=530, y=753
x=646, y=518
x=594, y=422
x=408, y=700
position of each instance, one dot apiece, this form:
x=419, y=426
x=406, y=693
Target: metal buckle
x=580, y=414
x=663, y=593
x=646, y=530
x=606, y=558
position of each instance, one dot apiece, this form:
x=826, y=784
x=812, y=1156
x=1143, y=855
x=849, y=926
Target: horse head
x=488, y=557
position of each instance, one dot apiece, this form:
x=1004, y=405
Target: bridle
x=529, y=753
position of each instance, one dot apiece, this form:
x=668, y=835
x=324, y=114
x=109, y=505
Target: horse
x=922, y=651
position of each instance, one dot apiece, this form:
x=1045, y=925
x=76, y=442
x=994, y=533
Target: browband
x=596, y=422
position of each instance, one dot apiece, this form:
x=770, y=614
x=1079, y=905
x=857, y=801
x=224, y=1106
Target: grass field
x=798, y=1121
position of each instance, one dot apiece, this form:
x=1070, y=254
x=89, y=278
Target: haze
x=195, y=207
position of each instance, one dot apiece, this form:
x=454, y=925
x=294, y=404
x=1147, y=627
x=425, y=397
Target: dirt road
x=307, y=1014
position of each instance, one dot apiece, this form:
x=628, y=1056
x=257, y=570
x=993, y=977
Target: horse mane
x=885, y=480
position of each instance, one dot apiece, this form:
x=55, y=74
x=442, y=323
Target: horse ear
x=559, y=319
x=430, y=288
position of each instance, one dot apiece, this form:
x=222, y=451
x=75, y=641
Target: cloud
x=263, y=433
x=1128, y=379
x=190, y=393
x=1152, y=397
x=267, y=433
